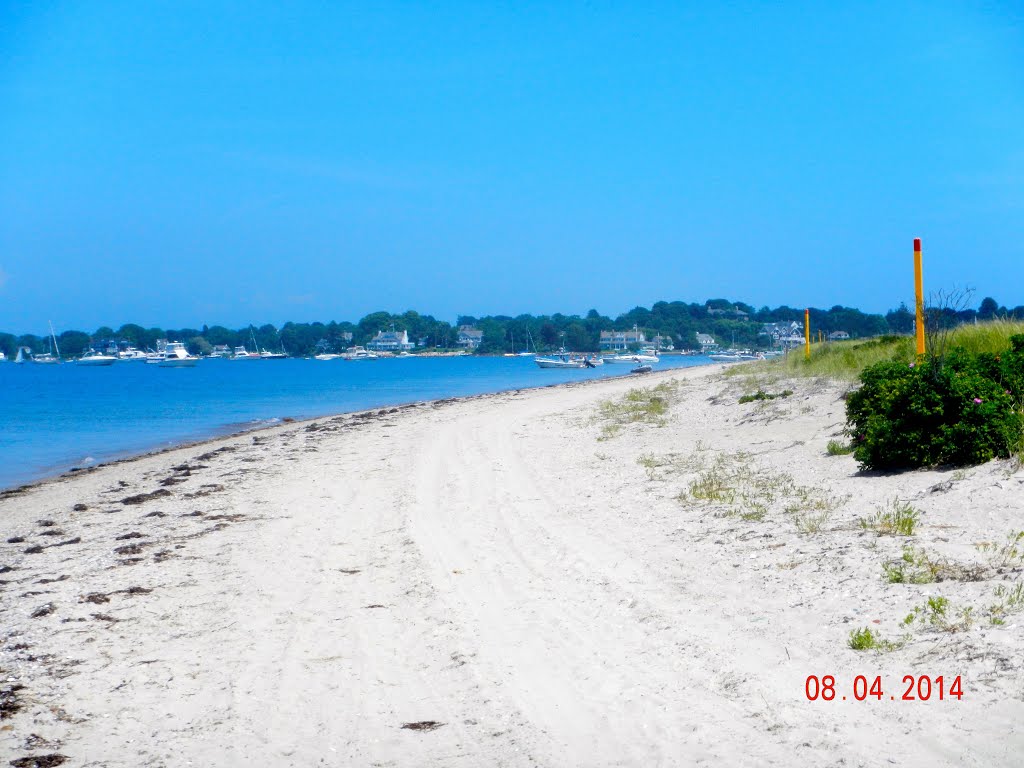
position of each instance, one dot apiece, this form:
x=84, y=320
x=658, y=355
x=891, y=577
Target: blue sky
x=178, y=163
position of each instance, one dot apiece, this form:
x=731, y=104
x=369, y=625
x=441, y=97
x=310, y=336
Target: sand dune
x=502, y=581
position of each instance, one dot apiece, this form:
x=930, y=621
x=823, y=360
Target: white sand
x=541, y=594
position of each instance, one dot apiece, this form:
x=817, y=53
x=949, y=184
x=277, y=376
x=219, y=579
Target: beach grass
x=844, y=360
x=644, y=405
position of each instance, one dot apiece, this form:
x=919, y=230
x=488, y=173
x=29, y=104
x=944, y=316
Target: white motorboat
x=131, y=355
x=327, y=356
x=241, y=353
x=93, y=358
x=735, y=356
x=359, y=353
x=3, y=356
x=173, y=355
x=566, y=360
x=559, y=362
x=634, y=359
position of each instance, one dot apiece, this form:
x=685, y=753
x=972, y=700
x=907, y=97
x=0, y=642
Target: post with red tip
x=919, y=291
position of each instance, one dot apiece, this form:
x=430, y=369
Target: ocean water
x=55, y=417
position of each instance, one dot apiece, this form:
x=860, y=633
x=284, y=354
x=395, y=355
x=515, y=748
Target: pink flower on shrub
x=911, y=365
x=977, y=399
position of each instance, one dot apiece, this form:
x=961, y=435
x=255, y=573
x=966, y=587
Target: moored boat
x=93, y=358
x=358, y=353
x=632, y=359
x=173, y=355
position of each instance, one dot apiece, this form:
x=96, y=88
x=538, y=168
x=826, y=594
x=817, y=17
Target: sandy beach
x=509, y=580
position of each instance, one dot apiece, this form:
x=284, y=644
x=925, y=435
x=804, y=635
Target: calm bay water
x=59, y=416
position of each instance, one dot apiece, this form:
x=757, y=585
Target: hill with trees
x=729, y=322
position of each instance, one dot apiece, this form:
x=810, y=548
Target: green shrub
x=963, y=409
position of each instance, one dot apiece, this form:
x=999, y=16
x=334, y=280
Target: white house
x=621, y=339
x=469, y=337
x=390, y=341
x=838, y=336
x=707, y=342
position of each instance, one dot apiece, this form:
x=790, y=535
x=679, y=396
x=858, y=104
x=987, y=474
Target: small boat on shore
x=642, y=369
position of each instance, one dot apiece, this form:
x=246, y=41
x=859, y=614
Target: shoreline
x=499, y=579
x=227, y=431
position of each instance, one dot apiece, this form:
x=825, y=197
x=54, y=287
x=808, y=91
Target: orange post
x=919, y=295
x=807, y=334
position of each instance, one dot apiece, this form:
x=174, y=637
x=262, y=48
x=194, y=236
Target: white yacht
x=176, y=356
x=359, y=353
x=327, y=356
x=241, y=353
x=93, y=358
x=3, y=356
x=131, y=354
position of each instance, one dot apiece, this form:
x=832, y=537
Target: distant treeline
x=727, y=321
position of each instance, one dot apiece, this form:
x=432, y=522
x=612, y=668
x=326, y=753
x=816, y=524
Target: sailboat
x=266, y=354
x=52, y=355
x=526, y=352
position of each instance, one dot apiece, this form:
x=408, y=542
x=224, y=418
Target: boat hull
x=542, y=363
x=632, y=360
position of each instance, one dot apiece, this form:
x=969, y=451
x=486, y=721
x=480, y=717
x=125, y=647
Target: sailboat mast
x=54, y=337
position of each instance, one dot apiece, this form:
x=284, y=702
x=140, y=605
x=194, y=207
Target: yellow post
x=919, y=292
x=807, y=334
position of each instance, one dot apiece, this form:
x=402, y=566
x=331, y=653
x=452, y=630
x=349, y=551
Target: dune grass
x=844, y=360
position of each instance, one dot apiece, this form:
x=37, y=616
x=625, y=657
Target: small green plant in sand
x=712, y=485
x=1006, y=554
x=916, y=566
x=896, y=518
x=1011, y=600
x=811, y=508
x=762, y=395
x=936, y=613
x=866, y=640
x=644, y=405
x=652, y=464
x=810, y=522
x=838, y=448
x=740, y=488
